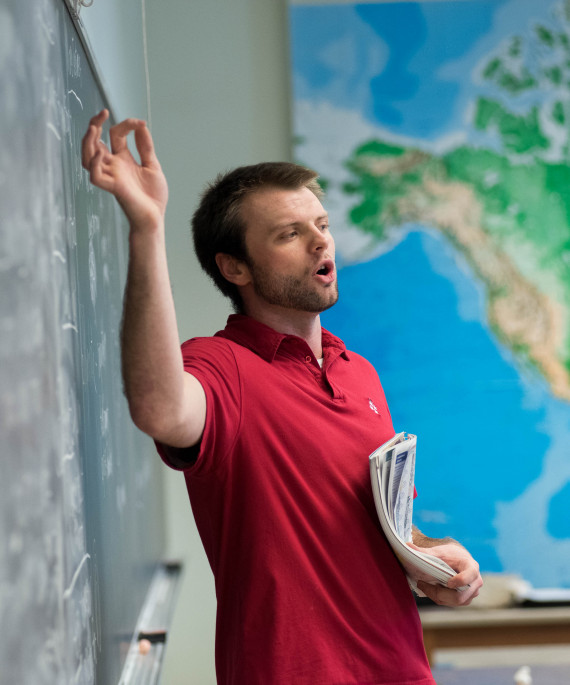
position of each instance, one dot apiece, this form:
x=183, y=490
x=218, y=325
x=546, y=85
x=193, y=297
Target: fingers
x=92, y=138
x=145, y=146
x=143, y=139
x=452, y=595
x=98, y=169
x=467, y=571
x=471, y=581
x=437, y=593
x=118, y=134
x=447, y=597
x=469, y=576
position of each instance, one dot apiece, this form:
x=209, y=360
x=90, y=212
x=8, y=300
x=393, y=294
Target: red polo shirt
x=309, y=591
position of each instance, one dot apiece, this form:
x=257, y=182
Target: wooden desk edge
x=439, y=617
x=454, y=628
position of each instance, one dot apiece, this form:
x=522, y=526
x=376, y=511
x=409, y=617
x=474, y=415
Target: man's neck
x=306, y=325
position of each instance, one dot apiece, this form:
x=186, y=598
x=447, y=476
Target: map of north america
x=449, y=140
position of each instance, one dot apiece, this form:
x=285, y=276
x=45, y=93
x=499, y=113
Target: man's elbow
x=149, y=419
x=175, y=419
x=164, y=425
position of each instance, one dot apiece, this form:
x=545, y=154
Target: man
x=271, y=421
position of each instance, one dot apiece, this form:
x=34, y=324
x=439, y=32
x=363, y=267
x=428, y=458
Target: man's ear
x=232, y=269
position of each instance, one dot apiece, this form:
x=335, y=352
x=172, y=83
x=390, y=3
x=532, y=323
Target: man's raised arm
x=164, y=401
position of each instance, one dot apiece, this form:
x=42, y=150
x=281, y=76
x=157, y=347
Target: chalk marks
x=77, y=494
x=53, y=129
x=68, y=456
x=67, y=593
x=48, y=31
x=94, y=229
x=73, y=59
x=45, y=592
x=72, y=92
x=7, y=36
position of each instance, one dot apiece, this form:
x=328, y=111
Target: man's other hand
x=466, y=568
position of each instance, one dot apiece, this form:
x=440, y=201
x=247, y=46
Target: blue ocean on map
x=492, y=448
x=387, y=60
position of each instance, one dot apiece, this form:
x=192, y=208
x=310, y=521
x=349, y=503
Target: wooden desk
x=470, y=627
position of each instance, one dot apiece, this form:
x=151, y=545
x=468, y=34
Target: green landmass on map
x=504, y=204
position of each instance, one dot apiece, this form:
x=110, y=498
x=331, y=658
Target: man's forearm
x=151, y=357
x=421, y=540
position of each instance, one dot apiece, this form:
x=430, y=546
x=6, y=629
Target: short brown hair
x=217, y=225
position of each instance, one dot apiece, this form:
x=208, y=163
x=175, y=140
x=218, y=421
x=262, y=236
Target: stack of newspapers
x=392, y=468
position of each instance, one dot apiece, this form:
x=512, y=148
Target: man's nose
x=319, y=238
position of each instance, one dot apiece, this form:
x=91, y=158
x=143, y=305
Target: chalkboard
x=81, y=528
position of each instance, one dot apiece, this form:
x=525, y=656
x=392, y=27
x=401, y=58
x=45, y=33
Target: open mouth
x=325, y=269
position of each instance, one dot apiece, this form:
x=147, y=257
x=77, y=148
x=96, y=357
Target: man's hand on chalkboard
x=140, y=189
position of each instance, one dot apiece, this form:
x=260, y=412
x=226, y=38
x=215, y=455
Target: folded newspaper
x=392, y=469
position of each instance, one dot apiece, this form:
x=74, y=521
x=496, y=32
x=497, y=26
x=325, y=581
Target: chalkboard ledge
x=146, y=652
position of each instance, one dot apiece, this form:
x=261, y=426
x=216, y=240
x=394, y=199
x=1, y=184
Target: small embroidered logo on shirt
x=373, y=406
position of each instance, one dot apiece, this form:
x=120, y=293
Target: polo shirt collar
x=266, y=341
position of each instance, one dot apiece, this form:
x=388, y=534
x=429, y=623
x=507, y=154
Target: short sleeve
x=212, y=362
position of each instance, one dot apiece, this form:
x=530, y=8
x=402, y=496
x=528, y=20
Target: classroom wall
x=115, y=35
x=219, y=98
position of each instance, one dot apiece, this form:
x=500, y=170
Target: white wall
x=219, y=99
x=114, y=31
